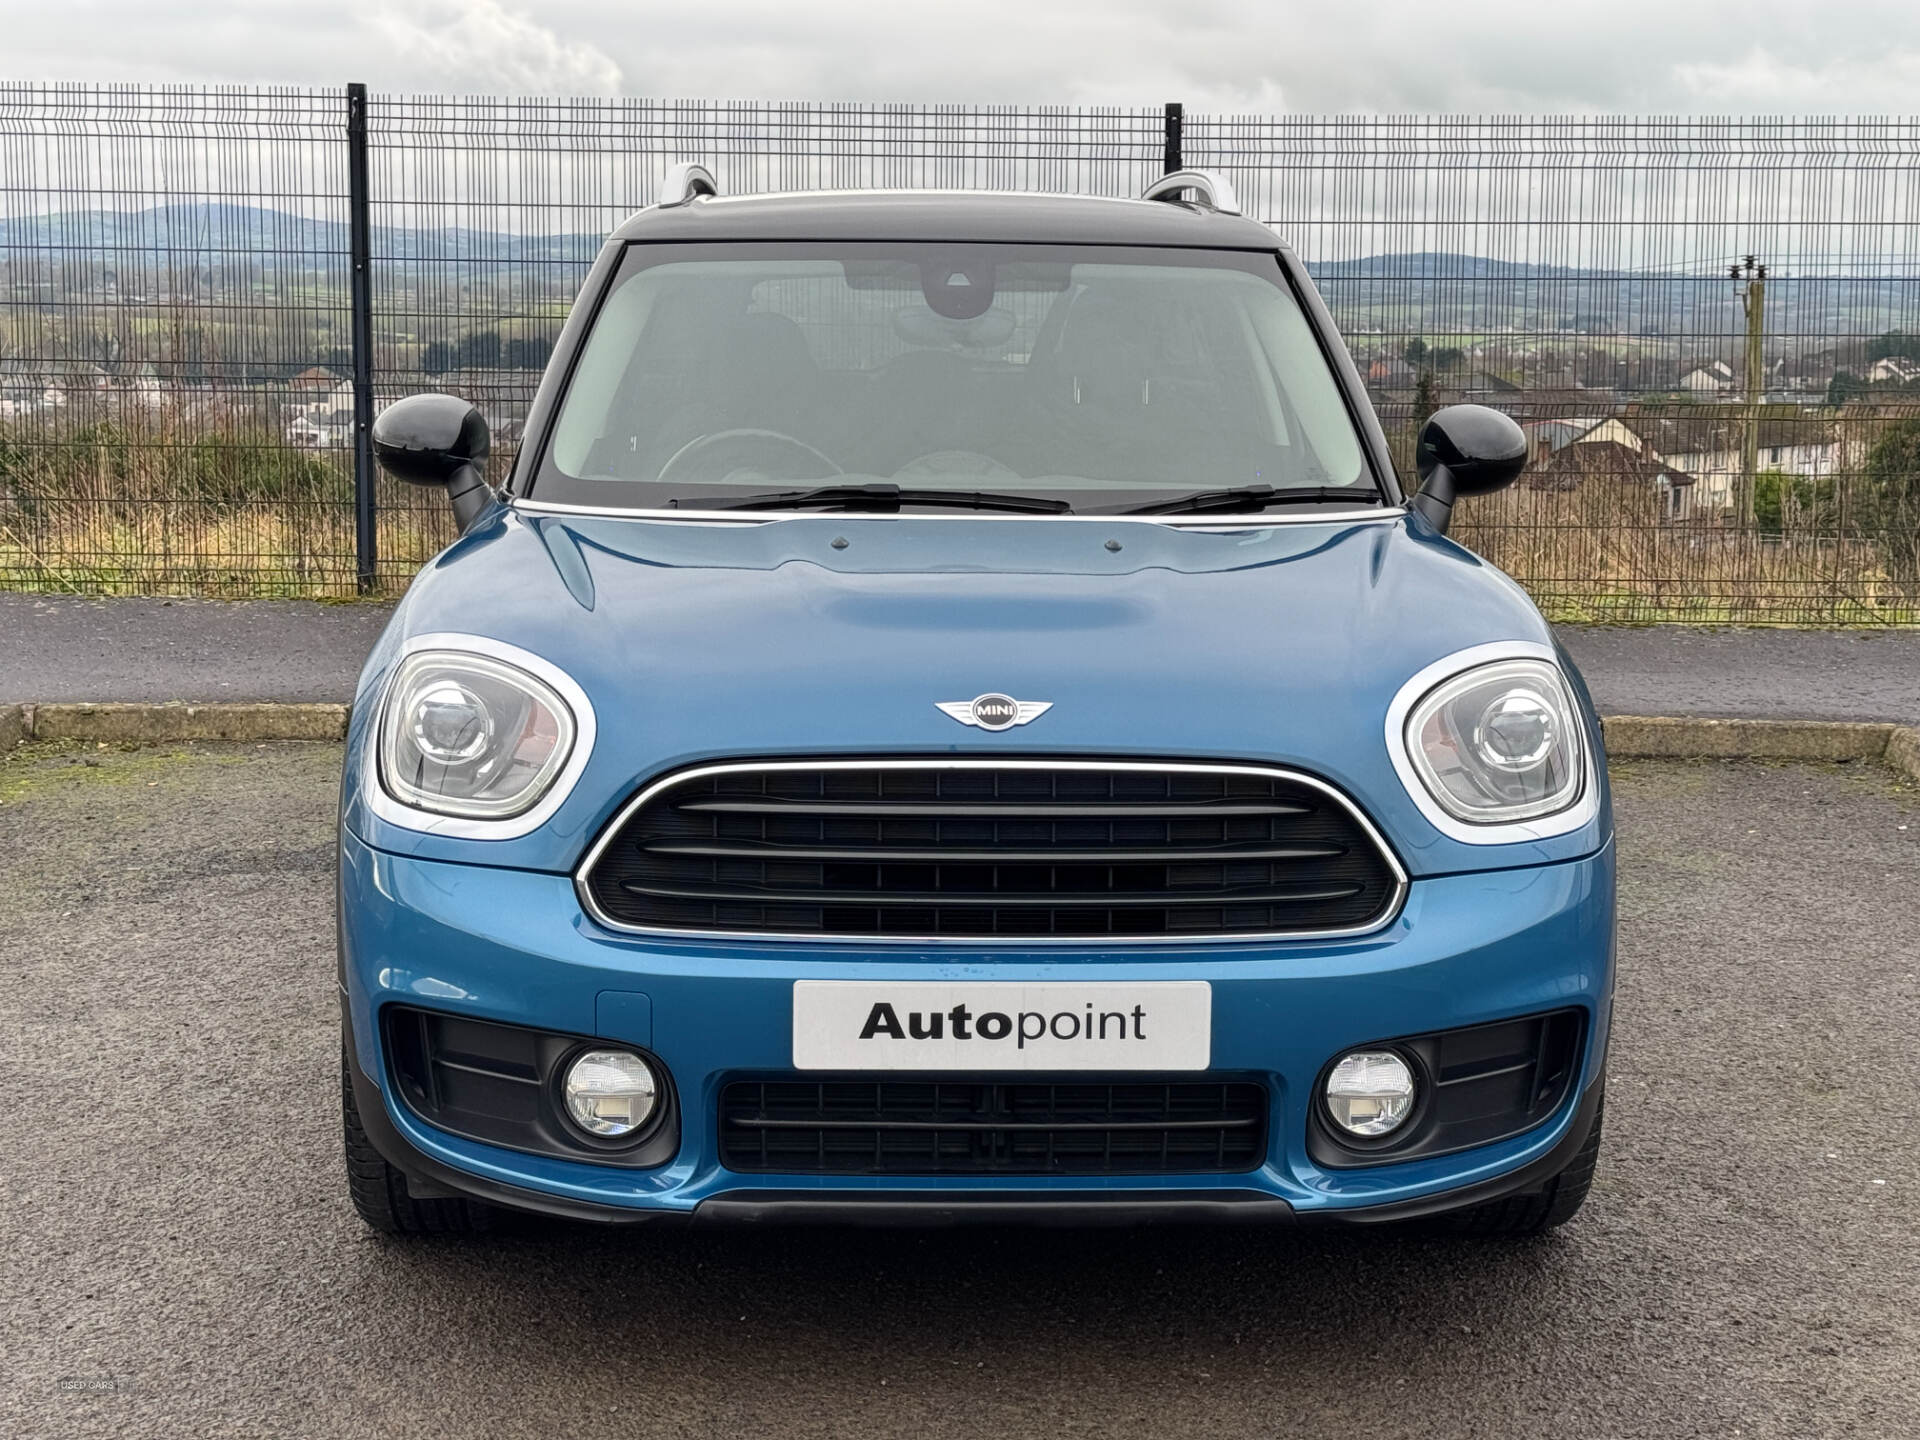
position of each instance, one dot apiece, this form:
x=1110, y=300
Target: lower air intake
x=940, y=1127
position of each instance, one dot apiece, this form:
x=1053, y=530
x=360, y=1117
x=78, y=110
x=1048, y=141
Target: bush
x=1890, y=499
x=1798, y=504
x=117, y=461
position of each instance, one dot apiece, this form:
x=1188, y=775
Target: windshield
x=1102, y=379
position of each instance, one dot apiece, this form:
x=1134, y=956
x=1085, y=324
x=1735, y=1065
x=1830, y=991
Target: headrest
x=776, y=341
x=1106, y=353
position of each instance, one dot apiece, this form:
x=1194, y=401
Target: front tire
x=379, y=1190
x=1538, y=1211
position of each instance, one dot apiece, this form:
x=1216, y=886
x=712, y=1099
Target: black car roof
x=951, y=215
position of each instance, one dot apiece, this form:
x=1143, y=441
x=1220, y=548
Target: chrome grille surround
x=653, y=792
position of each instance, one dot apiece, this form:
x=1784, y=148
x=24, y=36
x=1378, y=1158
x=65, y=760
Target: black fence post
x=360, y=242
x=1176, y=115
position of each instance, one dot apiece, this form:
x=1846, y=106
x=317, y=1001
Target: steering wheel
x=947, y=464
x=741, y=457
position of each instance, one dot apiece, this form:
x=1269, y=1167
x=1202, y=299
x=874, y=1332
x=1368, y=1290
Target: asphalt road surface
x=55, y=648
x=61, y=648
x=1764, y=674
x=177, y=1256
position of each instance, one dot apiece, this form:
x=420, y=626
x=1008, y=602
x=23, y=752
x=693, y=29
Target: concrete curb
x=1654, y=737
x=1903, y=752
x=173, y=722
x=1629, y=737
x=1642, y=737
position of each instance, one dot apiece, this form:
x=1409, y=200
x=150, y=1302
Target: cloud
x=480, y=45
x=1760, y=80
x=1485, y=56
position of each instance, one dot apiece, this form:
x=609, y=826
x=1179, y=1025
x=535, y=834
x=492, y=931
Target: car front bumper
x=514, y=947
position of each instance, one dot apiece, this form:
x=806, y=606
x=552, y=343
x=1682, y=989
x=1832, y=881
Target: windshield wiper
x=887, y=499
x=1256, y=497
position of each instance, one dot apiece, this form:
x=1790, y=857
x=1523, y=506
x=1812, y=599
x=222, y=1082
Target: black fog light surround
x=532, y=1090
x=1433, y=1094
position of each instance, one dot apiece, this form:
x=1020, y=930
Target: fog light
x=610, y=1093
x=1370, y=1093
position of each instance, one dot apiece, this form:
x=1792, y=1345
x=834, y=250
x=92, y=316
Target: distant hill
x=212, y=228
x=1440, y=292
x=1450, y=291
x=1438, y=264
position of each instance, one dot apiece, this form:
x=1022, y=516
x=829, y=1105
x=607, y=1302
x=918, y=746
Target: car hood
x=840, y=634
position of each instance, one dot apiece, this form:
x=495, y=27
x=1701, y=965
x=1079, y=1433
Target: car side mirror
x=437, y=440
x=1465, y=450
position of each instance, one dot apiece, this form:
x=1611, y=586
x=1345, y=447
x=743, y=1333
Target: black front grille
x=1044, y=850
x=958, y=1127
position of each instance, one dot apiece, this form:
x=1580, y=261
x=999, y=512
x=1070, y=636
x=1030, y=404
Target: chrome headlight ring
x=1492, y=746
x=492, y=741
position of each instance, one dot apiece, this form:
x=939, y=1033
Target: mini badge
x=995, y=712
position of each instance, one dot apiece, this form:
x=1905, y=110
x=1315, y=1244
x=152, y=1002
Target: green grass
x=1625, y=608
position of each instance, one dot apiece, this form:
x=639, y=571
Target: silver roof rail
x=1210, y=188
x=685, y=181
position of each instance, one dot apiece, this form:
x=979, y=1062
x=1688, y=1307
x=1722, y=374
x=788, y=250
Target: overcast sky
x=1649, y=56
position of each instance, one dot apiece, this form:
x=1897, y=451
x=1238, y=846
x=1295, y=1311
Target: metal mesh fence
x=174, y=270
x=177, y=413
x=1575, y=273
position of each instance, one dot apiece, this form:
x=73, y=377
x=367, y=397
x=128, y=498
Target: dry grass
x=184, y=549
x=154, y=507
x=150, y=505
x=1598, y=555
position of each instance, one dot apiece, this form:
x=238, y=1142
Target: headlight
x=1498, y=743
x=471, y=736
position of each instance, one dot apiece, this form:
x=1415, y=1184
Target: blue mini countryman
x=953, y=716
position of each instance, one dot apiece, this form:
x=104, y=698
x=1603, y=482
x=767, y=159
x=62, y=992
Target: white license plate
x=986, y=1026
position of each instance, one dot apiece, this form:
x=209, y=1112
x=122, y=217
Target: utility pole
x=1753, y=299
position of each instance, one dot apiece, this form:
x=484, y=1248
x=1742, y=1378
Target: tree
x=1844, y=386
x=528, y=353
x=481, y=350
x=1894, y=343
x=437, y=358
x=1426, y=399
x=191, y=350
x=1890, y=497
x=1415, y=352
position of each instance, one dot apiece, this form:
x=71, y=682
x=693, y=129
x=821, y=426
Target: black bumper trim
x=1528, y=1177
x=941, y=1208
x=915, y=1208
x=427, y=1177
